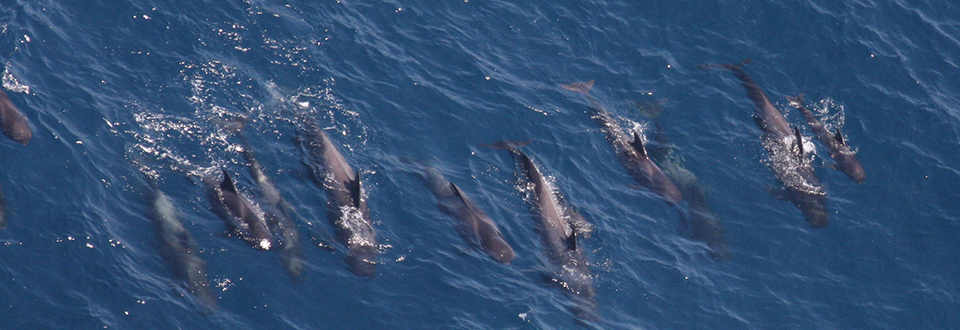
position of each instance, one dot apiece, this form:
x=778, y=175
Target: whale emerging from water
x=632, y=153
x=13, y=122
x=346, y=203
x=558, y=237
x=473, y=224
x=240, y=213
x=839, y=150
x=785, y=146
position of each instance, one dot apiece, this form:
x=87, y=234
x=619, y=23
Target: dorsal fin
x=839, y=137
x=572, y=241
x=354, y=187
x=637, y=143
x=458, y=193
x=582, y=87
x=799, y=138
x=227, y=184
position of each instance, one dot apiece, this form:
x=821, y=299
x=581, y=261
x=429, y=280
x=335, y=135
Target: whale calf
x=558, y=238
x=180, y=250
x=346, y=205
x=839, y=150
x=473, y=224
x=785, y=147
x=14, y=123
x=630, y=149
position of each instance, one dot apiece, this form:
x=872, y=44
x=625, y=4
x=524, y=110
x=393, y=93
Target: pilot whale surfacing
x=246, y=220
x=346, y=204
x=785, y=146
x=558, y=238
x=630, y=149
x=839, y=150
x=13, y=122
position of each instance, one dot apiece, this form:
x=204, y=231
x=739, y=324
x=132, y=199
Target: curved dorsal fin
x=227, y=183
x=572, y=241
x=799, y=138
x=459, y=194
x=637, y=143
x=839, y=137
x=354, y=187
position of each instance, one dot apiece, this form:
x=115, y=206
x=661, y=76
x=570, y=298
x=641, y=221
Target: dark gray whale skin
x=796, y=175
x=699, y=221
x=14, y=123
x=473, y=224
x=559, y=239
x=3, y=210
x=238, y=211
x=839, y=150
x=180, y=250
x=279, y=213
x=346, y=206
x=629, y=149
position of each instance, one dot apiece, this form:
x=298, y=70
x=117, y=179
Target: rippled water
x=110, y=87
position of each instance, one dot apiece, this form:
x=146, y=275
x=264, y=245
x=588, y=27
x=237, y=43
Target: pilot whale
x=558, y=238
x=179, y=248
x=239, y=212
x=3, y=210
x=346, y=204
x=473, y=224
x=785, y=147
x=279, y=213
x=699, y=221
x=839, y=150
x=13, y=122
x=632, y=152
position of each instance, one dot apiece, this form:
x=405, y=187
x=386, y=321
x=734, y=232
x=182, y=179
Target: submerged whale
x=785, y=146
x=3, y=210
x=180, y=250
x=473, y=224
x=846, y=159
x=559, y=238
x=632, y=152
x=346, y=206
x=13, y=122
x=699, y=222
x=239, y=212
x=278, y=212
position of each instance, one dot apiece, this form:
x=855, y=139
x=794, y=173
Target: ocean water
x=112, y=87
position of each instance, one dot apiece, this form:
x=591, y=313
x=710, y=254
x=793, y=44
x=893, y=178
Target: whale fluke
x=507, y=145
x=582, y=87
x=726, y=66
x=795, y=100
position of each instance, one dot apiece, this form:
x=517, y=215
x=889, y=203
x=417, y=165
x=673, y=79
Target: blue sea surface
x=112, y=88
